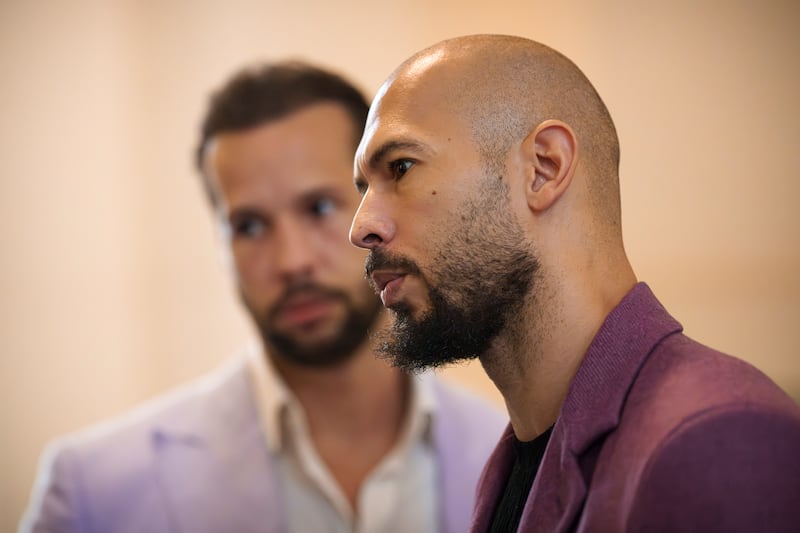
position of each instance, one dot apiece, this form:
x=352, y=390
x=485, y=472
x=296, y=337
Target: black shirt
x=509, y=511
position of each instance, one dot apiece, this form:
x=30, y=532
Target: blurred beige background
x=110, y=280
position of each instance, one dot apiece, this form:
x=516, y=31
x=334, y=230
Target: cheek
x=339, y=258
x=426, y=211
x=251, y=264
x=346, y=260
x=333, y=236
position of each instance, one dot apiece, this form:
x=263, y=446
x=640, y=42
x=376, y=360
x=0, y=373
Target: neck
x=360, y=403
x=534, y=361
x=363, y=393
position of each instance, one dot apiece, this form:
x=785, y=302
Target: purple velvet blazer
x=659, y=433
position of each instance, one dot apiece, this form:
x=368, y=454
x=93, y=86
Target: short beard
x=483, y=282
x=332, y=351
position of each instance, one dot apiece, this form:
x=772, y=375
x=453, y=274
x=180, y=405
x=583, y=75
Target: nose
x=372, y=225
x=294, y=254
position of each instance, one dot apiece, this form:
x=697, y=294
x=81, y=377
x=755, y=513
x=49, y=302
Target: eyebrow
x=389, y=146
x=325, y=191
x=242, y=212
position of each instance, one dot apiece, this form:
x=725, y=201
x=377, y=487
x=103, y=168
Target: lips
x=388, y=284
x=302, y=310
x=394, y=276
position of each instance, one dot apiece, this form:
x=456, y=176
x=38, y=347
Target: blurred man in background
x=308, y=431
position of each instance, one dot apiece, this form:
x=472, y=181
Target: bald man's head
x=490, y=203
x=503, y=87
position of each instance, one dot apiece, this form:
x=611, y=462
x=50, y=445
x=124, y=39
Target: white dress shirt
x=399, y=495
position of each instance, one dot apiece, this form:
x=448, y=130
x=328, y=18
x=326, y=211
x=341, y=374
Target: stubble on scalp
x=504, y=86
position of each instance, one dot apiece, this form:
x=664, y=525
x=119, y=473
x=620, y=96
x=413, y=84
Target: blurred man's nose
x=294, y=254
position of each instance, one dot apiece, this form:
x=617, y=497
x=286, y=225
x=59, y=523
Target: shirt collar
x=276, y=403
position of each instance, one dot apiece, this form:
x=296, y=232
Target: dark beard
x=483, y=278
x=331, y=352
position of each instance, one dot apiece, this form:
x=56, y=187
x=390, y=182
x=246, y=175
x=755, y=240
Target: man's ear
x=550, y=153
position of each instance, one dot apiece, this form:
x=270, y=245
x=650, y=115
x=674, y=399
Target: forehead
x=308, y=148
x=420, y=103
x=414, y=108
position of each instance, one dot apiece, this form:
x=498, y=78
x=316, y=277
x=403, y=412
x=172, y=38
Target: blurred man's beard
x=331, y=350
x=479, y=281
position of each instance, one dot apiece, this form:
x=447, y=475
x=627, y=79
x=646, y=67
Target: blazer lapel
x=559, y=489
x=213, y=465
x=592, y=409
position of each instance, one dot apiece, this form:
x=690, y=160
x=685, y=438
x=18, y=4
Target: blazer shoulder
x=468, y=417
x=116, y=456
x=683, y=377
x=728, y=468
x=455, y=398
x=185, y=408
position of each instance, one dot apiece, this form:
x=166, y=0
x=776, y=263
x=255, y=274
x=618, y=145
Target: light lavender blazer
x=197, y=462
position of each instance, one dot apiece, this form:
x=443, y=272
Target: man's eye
x=399, y=167
x=322, y=207
x=248, y=228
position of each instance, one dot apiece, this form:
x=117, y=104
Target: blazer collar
x=591, y=410
x=593, y=406
x=212, y=463
x=597, y=394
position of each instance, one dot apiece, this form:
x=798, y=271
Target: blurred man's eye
x=322, y=207
x=248, y=228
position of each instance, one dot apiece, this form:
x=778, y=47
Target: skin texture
x=284, y=200
x=521, y=114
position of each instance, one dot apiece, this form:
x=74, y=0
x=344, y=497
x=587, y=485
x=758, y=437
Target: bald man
x=490, y=206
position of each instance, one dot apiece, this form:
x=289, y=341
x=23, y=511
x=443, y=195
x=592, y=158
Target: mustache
x=305, y=289
x=380, y=260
